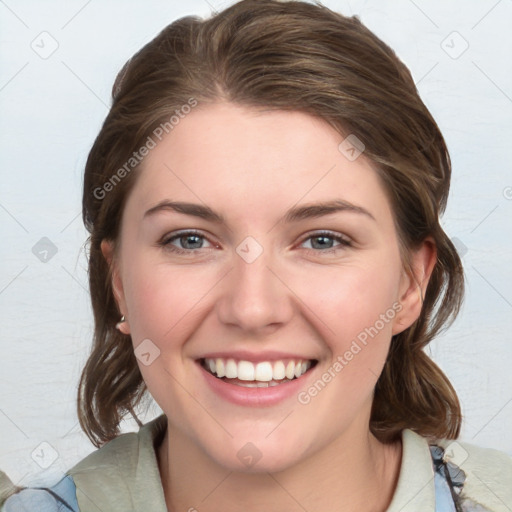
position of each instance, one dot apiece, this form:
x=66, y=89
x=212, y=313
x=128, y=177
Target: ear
x=413, y=287
x=107, y=249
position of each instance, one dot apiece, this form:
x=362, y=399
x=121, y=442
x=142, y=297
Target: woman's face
x=267, y=276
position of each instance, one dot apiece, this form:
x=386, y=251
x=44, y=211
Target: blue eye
x=190, y=241
x=323, y=242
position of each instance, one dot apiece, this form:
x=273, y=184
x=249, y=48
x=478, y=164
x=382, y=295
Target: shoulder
x=440, y=474
x=123, y=453
x=120, y=452
x=483, y=475
x=58, y=498
x=123, y=472
x=107, y=465
x=108, y=477
x=101, y=475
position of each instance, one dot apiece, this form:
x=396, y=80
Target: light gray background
x=52, y=107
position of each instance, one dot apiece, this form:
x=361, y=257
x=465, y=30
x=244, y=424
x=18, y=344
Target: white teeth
x=248, y=384
x=231, y=369
x=219, y=369
x=290, y=370
x=245, y=370
x=265, y=373
x=279, y=372
x=256, y=384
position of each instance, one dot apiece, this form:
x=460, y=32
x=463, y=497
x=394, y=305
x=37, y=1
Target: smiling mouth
x=257, y=375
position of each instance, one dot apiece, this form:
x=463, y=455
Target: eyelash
x=343, y=242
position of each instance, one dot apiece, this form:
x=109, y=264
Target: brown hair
x=296, y=56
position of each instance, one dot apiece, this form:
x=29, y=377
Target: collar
x=415, y=490
x=124, y=475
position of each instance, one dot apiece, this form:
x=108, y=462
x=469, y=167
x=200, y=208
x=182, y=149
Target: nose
x=254, y=297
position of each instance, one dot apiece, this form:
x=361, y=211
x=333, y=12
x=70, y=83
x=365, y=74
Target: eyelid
x=343, y=240
x=328, y=233
x=165, y=242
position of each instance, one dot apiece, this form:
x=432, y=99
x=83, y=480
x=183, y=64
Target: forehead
x=249, y=160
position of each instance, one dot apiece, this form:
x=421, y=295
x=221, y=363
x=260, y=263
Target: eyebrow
x=294, y=214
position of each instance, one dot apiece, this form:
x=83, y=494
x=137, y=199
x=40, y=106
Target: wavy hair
x=282, y=55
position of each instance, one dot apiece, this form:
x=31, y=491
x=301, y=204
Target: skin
x=296, y=297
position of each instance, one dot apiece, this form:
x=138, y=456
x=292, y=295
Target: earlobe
x=107, y=249
x=414, y=285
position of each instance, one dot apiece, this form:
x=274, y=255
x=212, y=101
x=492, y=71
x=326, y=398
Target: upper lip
x=246, y=355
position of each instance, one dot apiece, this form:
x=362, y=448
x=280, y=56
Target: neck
x=352, y=473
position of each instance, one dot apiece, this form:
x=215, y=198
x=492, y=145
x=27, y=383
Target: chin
x=255, y=457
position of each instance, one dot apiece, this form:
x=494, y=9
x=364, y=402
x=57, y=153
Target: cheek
x=353, y=309
x=163, y=297
x=352, y=298
x=164, y=302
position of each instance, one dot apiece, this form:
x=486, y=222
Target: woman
x=266, y=260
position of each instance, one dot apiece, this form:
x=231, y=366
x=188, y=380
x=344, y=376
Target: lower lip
x=262, y=397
